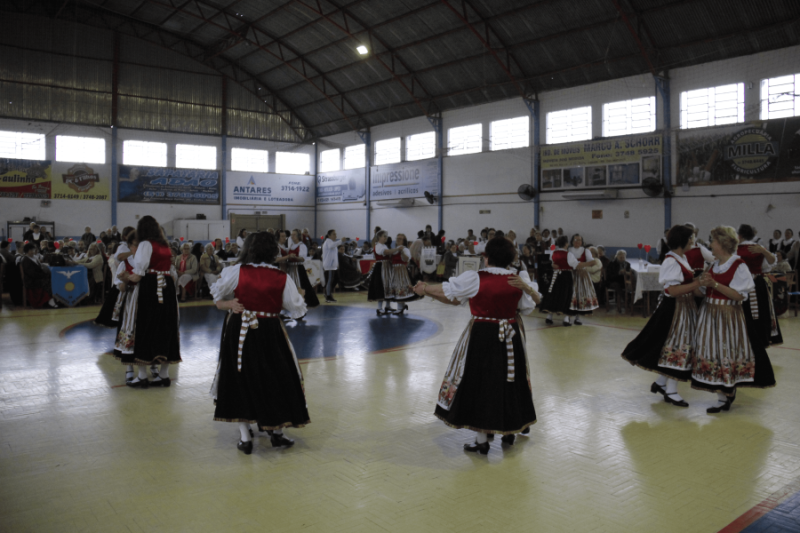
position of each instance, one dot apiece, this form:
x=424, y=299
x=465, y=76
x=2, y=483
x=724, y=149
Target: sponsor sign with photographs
x=341, y=186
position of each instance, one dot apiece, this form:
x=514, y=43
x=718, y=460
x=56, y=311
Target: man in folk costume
x=258, y=379
x=758, y=308
x=487, y=386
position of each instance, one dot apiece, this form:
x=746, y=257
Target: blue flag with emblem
x=70, y=284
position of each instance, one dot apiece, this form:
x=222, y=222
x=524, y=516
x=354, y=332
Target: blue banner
x=341, y=186
x=168, y=185
x=70, y=284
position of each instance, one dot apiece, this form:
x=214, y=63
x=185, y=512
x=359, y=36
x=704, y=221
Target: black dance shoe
x=548, y=321
x=724, y=407
x=161, y=382
x=246, y=447
x=526, y=431
x=578, y=322
x=400, y=310
x=681, y=403
x=509, y=439
x=141, y=384
x=329, y=300
x=566, y=324
x=483, y=449
x=655, y=388
x=280, y=440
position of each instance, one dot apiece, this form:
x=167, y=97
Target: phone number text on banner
x=168, y=185
x=341, y=186
x=251, y=188
x=602, y=152
x=24, y=178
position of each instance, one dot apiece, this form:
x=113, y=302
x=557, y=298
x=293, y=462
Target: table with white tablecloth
x=645, y=278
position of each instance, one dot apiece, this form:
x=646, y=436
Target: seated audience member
x=5, y=252
x=601, y=254
x=781, y=265
x=210, y=265
x=450, y=260
x=13, y=280
x=88, y=237
x=52, y=257
x=187, y=268
x=315, y=252
x=35, y=235
x=528, y=261
x=94, y=264
x=81, y=250
x=305, y=238
x=595, y=270
x=615, y=274
x=197, y=250
x=104, y=238
x=37, y=279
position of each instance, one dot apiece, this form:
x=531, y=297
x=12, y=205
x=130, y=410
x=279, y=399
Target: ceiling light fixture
x=362, y=50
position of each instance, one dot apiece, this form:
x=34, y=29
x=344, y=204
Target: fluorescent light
x=362, y=50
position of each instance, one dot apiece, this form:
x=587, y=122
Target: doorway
x=255, y=223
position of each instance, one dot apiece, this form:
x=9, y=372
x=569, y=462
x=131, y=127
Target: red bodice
x=752, y=260
x=398, y=259
x=161, y=258
x=260, y=289
x=284, y=252
x=495, y=298
x=695, y=258
x=688, y=275
x=723, y=279
x=379, y=257
x=582, y=258
x=560, y=260
x=296, y=251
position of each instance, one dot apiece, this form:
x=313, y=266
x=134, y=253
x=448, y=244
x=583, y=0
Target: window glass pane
x=780, y=97
x=712, y=106
x=465, y=140
x=510, y=133
x=80, y=149
x=387, y=151
x=629, y=117
x=194, y=156
x=355, y=156
x=421, y=146
x=19, y=145
x=329, y=160
x=245, y=160
x=569, y=125
x=144, y=153
x=292, y=163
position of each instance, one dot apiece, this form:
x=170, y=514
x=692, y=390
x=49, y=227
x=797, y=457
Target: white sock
x=164, y=372
x=721, y=397
x=480, y=438
x=278, y=431
x=51, y=302
x=661, y=381
x=244, y=429
x=549, y=316
x=142, y=374
x=566, y=319
x=672, y=389
x=380, y=305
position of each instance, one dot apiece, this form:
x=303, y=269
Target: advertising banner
x=25, y=178
x=404, y=180
x=757, y=152
x=611, y=162
x=341, y=186
x=253, y=188
x=168, y=185
x=78, y=181
x=69, y=285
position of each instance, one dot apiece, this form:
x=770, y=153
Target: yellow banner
x=23, y=178
x=615, y=151
x=80, y=182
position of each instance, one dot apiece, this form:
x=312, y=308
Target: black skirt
x=157, y=335
x=268, y=391
x=107, y=310
x=486, y=402
x=376, y=291
x=761, y=327
x=645, y=350
x=310, y=294
x=558, y=297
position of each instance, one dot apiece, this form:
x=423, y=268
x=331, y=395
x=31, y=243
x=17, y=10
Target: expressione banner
x=757, y=152
x=341, y=186
x=254, y=188
x=404, y=180
x=25, y=178
x=168, y=185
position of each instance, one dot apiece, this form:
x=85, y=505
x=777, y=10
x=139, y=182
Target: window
x=147, y=154
x=387, y=151
x=569, y=125
x=245, y=160
x=712, y=106
x=780, y=97
x=193, y=156
x=80, y=149
x=19, y=145
x=465, y=140
x=629, y=117
x=355, y=156
x=330, y=160
x=510, y=133
x=421, y=146
x=292, y=163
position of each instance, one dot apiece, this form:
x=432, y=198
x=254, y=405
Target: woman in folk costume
x=666, y=344
x=127, y=293
x=104, y=317
x=775, y=241
x=726, y=357
x=296, y=253
x=557, y=299
x=380, y=275
x=148, y=333
x=258, y=377
x=698, y=255
x=400, y=283
x=584, y=297
x=487, y=387
x=758, y=308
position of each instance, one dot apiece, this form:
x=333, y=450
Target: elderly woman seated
x=37, y=279
x=595, y=272
x=615, y=274
x=187, y=268
x=93, y=261
x=210, y=265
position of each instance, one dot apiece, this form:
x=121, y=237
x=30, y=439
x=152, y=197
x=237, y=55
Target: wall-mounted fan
x=432, y=199
x=527, y=192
